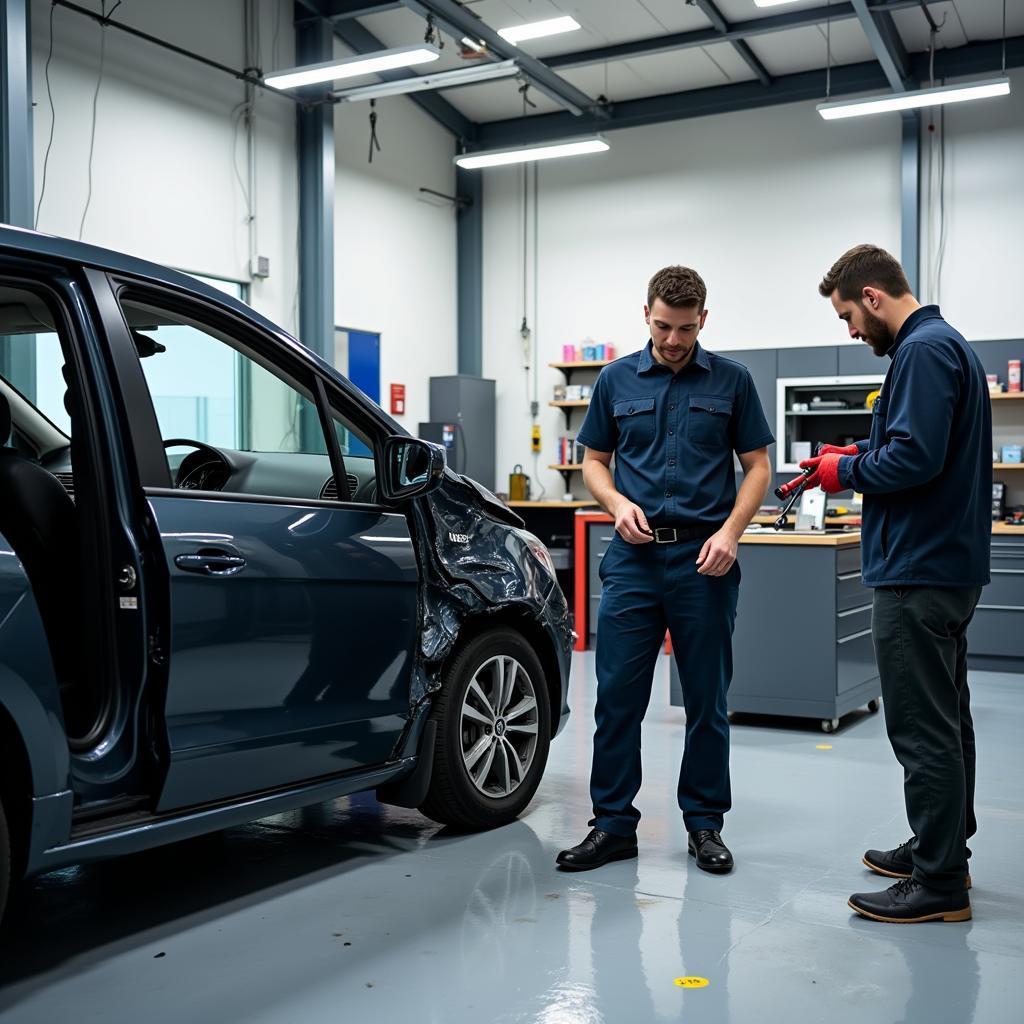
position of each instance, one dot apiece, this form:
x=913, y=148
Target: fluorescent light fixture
x=916, y=98
x=517, y=34
x=772, y=3
x=473, y=44
x=350, y=67
x=547, y=151
x=440, y=80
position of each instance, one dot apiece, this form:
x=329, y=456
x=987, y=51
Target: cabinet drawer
x=847, y=560
x=1006, y=588
x=1008, y=558
x=855, y=661
x=996, y=631
x=595, y=604
x=600, y=535
x=854, y=620
x=850, y=591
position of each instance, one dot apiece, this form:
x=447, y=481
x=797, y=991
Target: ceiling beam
x=972, y=59
x=361, y=40
x=885, y=40
x=538, y=74
x=670, y=42
x=339, y=10
x=741, y=46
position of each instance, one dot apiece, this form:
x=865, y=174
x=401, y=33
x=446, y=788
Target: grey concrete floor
x=354, y=912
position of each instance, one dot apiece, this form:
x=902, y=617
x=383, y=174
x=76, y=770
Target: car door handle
x=211, y=563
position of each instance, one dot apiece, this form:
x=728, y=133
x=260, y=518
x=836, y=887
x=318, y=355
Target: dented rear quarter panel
x=480, y=566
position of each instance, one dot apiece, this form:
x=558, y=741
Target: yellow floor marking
x=823, y=746
x=692, y=982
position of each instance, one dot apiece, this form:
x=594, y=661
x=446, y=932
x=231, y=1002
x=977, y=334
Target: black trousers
x=921, y=648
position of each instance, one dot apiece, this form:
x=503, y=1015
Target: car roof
x=24, y=240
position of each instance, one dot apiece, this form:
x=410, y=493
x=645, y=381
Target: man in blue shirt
x=926, y=476
x=672, y=415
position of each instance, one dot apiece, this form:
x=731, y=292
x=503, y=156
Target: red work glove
x=826, y=473
x=832, y=449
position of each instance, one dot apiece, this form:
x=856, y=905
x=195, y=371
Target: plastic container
x=1013, y=375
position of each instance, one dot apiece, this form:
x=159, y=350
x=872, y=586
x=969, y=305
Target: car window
x=207, y=387
x=32, y=365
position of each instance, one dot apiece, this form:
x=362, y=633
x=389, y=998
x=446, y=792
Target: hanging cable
x=53, y=120
x=1004, y=37
x=828, y=51
x=95, y=101
x=374, y=141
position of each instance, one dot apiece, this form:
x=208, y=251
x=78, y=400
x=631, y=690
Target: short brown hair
x=865, y=266
x=677, y=286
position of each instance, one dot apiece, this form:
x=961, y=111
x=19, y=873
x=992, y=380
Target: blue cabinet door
x=292, y=639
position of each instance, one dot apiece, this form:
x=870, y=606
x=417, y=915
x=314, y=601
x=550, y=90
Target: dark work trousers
x=921, y=648
x=646, y=588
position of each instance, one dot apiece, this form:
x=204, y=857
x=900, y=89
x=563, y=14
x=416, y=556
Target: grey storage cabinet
x=802, y=644
x=995, y=637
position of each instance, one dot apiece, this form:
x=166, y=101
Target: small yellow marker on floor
x=823, y=746
x=692, y=982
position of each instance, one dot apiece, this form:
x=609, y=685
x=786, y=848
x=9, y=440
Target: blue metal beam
x=340, y=9
x=16, y=184
x=361, y=40
x=470, y=258
x=670, y=42
x=536, y=72
x=885, y=40
x=910, y=200
x=712, y=13
x=314, y=42
x=974, y=58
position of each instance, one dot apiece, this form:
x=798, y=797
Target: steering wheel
x=187, y=442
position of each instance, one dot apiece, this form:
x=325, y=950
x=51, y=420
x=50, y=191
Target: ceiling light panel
x=915, y=99
x=530, y=154
x=517, y=34
x=352, y=67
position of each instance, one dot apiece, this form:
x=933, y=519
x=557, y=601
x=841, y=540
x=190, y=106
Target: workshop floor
x=353, y=912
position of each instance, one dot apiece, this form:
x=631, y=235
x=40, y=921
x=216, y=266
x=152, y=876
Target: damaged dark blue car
x=221, y=602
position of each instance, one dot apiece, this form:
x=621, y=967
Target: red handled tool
x=792, y=489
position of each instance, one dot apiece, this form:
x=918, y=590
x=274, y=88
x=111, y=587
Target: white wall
x=394, y=254
x=163, y=182
x=981, y=270
x=760, y=203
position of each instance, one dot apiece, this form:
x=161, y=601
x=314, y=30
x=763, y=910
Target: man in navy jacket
x=926, y=476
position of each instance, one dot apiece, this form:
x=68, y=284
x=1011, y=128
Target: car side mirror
x=411, y=467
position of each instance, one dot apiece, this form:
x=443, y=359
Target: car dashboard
x=276, y=474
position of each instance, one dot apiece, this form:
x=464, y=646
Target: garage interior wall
x=164, y=183
x=760, y=202
x=394, y=247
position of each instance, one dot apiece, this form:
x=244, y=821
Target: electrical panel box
x=468, y=403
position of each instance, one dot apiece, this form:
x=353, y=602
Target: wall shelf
x=583, y=364
x=1003, y=396
x=1007, y=465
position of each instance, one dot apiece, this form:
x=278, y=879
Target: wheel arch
x=523, y=622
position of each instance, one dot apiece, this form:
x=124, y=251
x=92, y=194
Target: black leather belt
x=676, y=534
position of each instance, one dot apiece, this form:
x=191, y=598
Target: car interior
x=49, y=502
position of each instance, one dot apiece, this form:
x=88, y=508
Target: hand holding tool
x=824, y=472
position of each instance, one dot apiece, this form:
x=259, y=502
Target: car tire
x=484, y=774
x=5, y=861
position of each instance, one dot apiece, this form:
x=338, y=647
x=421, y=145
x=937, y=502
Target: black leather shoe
x=898, y=863
x=597, y=849
x=910, y=902
x=710, y=852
